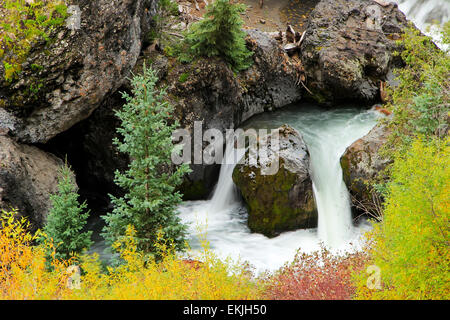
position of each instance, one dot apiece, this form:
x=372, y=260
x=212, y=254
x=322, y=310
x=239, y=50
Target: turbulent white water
x=426, y=12
x=327, y=134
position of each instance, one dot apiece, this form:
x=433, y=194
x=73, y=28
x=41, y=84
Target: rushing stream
x=223, y=218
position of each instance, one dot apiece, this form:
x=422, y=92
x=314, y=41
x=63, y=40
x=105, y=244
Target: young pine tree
x=67, y=218
x=150, y=203
x=220, y=34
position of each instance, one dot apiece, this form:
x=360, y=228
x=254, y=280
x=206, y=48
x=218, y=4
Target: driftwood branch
x=290, y=34
x=382, y=3
x=175, y=34
x=304, y=86
x=302, y=38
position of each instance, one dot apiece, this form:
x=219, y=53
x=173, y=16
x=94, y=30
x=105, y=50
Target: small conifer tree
x=220, y=34
x=67, y=218
x=151, y=200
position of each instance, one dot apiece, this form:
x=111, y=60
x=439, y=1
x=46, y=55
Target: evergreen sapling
x=151, y=200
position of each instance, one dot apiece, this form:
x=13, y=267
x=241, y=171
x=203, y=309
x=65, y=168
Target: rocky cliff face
x=349, y=48
x=61, y=83
x=284, y=200
x=27, y=178
x=65, y=79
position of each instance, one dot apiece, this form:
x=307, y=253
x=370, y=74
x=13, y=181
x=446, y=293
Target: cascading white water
x=331, y=194
x=226, y=195
x=327, y=134
x=425, y=12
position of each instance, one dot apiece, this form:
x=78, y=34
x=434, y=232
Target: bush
x=411, y=245
x=421, y=101
x=23, y=274
x=23, y=268
x=220, y=34
x=316, y=276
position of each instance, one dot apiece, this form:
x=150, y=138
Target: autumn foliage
x=411, y=245
x=23, y=271
x=316, y=276
x=24, y=274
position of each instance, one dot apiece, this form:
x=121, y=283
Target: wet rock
x=348, y=48
x=362, y=162
x=282, y=201
x=27, y=178
x=77, y=68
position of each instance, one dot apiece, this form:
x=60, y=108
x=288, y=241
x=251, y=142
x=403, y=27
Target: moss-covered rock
x=282, y=201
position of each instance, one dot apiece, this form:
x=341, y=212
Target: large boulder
x=349, y=48
x=284, y=200
x=362, y=163
x=63, y=80
x=27, y=178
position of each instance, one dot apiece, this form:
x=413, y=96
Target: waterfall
x=223, y=218
x=332, y=197
x=226, y=194
x=330, y=192
x=424, y=12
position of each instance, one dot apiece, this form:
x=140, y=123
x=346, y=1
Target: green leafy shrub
x=411, y=245
x=220, y=34
x=421, y=101
x=150, y=202
x=183, y=77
